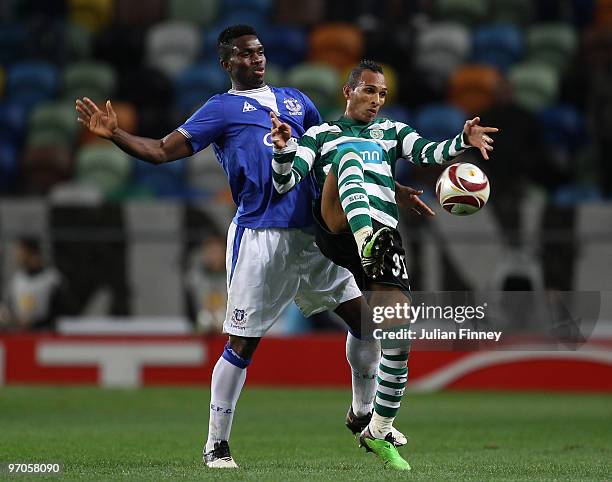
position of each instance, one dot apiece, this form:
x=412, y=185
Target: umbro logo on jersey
x=247, y=107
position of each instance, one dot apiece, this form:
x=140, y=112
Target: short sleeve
x=311, y=116
x=205, y=126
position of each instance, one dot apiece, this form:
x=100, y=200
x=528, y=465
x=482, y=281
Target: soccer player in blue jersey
x=270, y=233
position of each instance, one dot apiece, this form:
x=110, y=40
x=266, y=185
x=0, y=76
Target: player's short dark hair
x=30, y=243
x=225, y=41
x=355, y=75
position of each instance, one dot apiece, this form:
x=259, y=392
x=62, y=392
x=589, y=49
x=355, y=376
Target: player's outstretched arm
x=104, y=124
x=425, y=152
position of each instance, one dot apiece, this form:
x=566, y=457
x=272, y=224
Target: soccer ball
x=462, y=189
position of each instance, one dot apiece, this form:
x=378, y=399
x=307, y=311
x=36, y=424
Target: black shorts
x=342, y=250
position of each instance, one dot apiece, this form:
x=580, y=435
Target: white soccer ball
x=462, y=189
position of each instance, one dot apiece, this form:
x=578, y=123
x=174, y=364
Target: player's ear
x=346, y=91
x=225, y=65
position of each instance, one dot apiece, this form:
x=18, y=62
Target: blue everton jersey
x=238, y=125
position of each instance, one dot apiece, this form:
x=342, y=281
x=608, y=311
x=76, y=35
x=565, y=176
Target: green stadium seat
x=319, y=81
x=94, y=15
x=104, y=166
x=467, y=12
x=536, y=85
x=517, y=12
x=202, y=12
x=95, y=80
x=78, y=42
x=552, y=44
x=53, y=120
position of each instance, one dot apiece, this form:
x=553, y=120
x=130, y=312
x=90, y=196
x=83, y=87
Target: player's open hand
x=408, y=198
x=280, y=133
x=103, y=124
x=477, y=136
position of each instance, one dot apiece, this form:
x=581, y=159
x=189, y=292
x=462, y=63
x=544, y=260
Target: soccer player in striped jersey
x=354, y=160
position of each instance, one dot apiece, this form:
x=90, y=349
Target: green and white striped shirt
x=379, y=144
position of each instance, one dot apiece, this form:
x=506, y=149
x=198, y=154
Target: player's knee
x=242, y=346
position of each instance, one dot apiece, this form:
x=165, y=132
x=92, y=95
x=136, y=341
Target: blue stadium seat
x=196, y=84
x=9, y=167
x=13, y=120
x=29, y=83
x=285, y=46
x=438, y=122
x=258, y=6
x=563, y=126
x=12, y=40
x=497, y=45
x=166, y=180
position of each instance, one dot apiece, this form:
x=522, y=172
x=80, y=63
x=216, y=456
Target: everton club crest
x=293, y=106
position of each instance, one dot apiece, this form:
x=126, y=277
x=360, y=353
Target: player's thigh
x=331, y=207
x=323, y=284
x=257, y=295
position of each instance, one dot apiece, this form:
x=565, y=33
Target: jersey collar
x=251, y=91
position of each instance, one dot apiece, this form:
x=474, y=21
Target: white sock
x=227, y=382
x=360, y=237
x=363, y=357
x=380, y=426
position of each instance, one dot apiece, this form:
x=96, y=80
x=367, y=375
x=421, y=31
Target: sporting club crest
x=377, y=134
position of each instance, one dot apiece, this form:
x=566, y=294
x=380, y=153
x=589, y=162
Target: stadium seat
x=166, y=180
x=302, y=14
x=12, y=40
x=336, y=44
x=603, y=13
x=95, y=80
x=467, y=12
x=141, y=13
x=172, y=46
x=285, y=46
x=536, y=86
x=552, y=44
x=54, y=120
x=29, y=83
x=127, y=118
x=274, y=75
x=203, y=12
x=13, y=121
x=197, y=83
x=473, y=88
x=9, y=168
x=94, y=15
x=597, y=47
x=44, y=167
x=104, y=166
x=438, y=122
x=396, y=113
x=204, y=173
x=78, y=42
x=141, y=84
x=498, y=45
x=319, y=81
x=259, y=6
x=563, y=126
x=517, y=12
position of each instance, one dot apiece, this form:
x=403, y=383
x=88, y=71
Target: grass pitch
x=297, y=435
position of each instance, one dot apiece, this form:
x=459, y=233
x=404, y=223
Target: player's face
x=247, y=65
x=365, y=100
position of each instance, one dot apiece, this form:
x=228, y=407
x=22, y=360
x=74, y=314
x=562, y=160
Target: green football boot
x=384, y=449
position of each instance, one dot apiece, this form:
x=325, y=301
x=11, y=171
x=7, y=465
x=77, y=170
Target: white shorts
x=269, y=268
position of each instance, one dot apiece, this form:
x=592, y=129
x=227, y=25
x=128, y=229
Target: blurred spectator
x=205, y=286
x=37, y=294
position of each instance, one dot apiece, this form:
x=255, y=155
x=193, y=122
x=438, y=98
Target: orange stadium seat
x=127, y=117
x=94, y=15
x=335, y=44
x=603, y=13
x=289, y=12
x=472, y=88
x=141, y=12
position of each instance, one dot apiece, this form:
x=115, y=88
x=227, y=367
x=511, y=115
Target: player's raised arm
x=293, y=159
x=423, y=151
x=104, y=124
